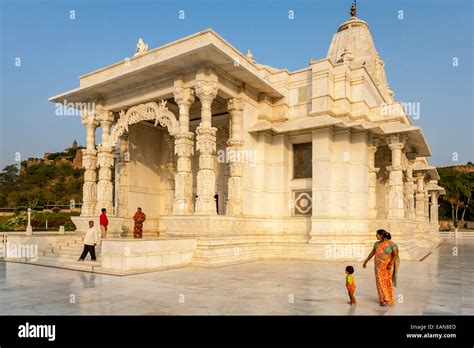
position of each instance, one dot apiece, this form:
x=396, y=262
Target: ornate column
x=427, y=206
x=235, y=107
x=89, y=162
x=434, y=207
x=374, y=142
x=170, y=172
x=410, y=191
x=420, y=196
x=105, y=160
x=122, y=181
x=395, y=209
x=184, y=149
x=206, y=90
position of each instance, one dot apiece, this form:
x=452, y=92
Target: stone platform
x=215, y=241
x=223, y=240
x=115, y=256
x=125, y=256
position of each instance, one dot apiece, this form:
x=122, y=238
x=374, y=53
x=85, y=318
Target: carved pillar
x=395, y=209
x=420, y=196
x=235, y=143
x=122, y=181
x=373, y=178
x=427, y=206
x=184, y=149
x=410, y=191
x=170, y=173
x=434, y=207
x=206, y=90
x=105, y=160
x=89, y=162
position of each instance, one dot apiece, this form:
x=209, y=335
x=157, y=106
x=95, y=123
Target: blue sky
x=418, y=51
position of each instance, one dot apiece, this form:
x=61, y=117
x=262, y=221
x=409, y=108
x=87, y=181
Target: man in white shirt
x=90, y=241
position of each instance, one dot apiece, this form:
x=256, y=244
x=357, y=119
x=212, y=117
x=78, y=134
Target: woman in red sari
x=386, y=265
x=139, y=218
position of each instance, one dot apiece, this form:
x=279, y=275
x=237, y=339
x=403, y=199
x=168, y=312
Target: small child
x=350, y=284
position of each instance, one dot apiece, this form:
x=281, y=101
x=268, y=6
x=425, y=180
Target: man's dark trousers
x=88, y=249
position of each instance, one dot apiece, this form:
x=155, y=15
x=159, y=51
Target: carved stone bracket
x=206, y=140
x=184, y=144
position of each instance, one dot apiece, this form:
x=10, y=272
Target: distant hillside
x=469, y=167
x=71, y=155
x=54, y=180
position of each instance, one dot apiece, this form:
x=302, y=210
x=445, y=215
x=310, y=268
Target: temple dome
x=353, y=22
x=353, y=44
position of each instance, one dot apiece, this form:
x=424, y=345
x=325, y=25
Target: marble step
x=66, y=248
x=64, y=257
x=73, y=247
x=63, y=262
x=86, y=265
x=67, y=255
x=62, y=245
x=69, y=248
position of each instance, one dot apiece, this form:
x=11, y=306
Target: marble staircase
x=65, y=255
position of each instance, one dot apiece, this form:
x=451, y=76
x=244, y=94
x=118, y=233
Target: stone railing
x=5, y=235
x=457, y=234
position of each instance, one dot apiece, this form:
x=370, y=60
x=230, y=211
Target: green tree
x=8, y=176
x=459, y=188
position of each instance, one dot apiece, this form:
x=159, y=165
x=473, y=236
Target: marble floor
x=442, y=284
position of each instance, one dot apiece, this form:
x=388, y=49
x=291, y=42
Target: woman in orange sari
x=139, y=218
x=386, y=265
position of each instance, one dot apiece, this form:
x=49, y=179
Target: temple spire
x=354, y=8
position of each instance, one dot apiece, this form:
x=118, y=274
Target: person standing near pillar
x=104, y=222
x=139, y=218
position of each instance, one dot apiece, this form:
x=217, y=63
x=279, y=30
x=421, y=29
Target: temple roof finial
x=354, y=8
x=249, y=55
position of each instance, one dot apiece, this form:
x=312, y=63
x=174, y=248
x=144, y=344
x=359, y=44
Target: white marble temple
x=324, y=154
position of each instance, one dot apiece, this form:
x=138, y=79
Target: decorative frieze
x=151, y=111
